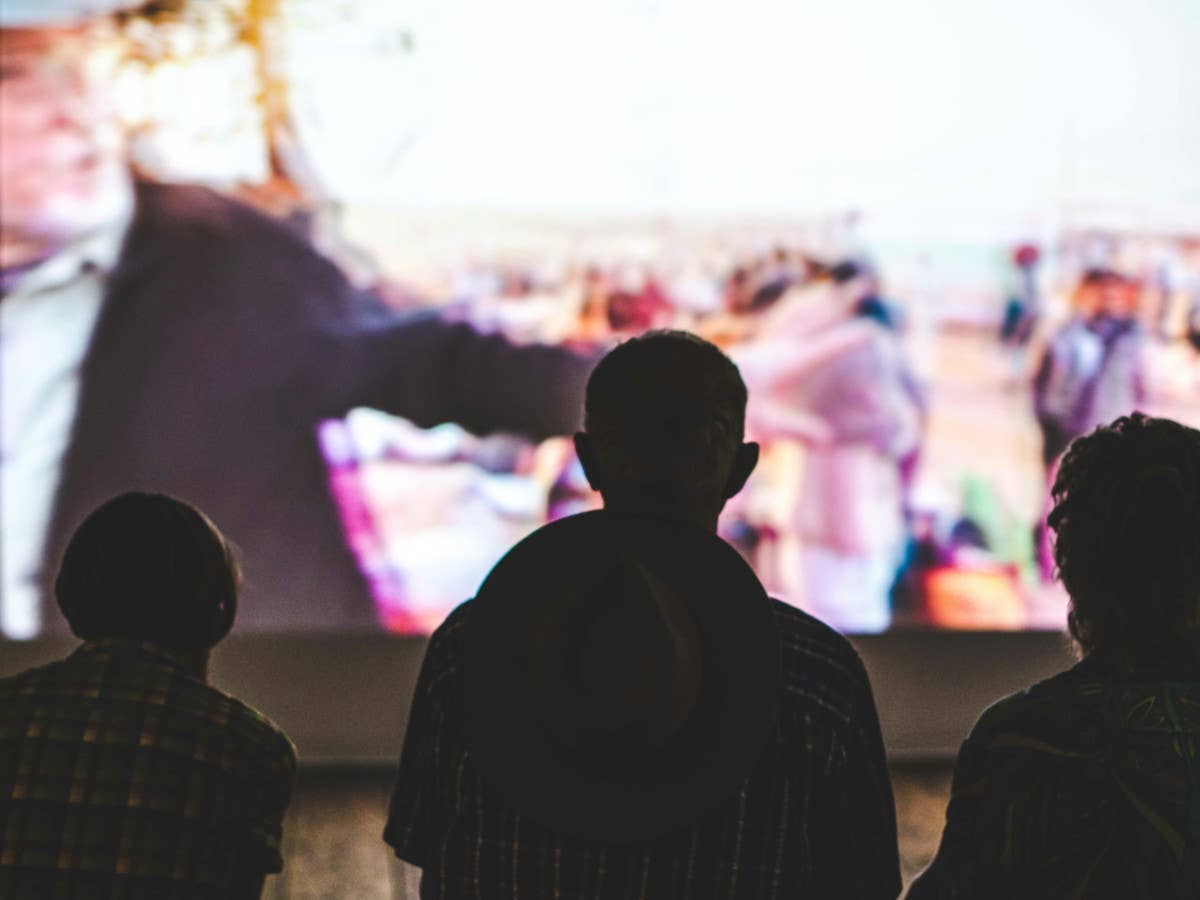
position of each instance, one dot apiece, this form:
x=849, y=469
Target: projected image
x=336, y=273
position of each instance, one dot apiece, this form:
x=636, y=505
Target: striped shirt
x=1086, y=786
x=122, y=776
x=815, y=818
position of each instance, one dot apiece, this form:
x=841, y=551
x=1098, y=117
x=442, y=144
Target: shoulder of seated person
x=39, y=681
x=445, y=646
x=818, y=664
x=250, y=726
x=449, y=634
x=797, y=627
x=26, y=677
x=1047, y=701
x=257, y=729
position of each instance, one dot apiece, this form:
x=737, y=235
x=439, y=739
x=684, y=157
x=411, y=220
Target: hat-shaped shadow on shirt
x=617, y=666
x=620, y=676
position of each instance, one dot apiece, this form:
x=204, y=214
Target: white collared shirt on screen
x=46, y=324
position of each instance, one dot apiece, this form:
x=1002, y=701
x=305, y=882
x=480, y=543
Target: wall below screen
x=344, y=698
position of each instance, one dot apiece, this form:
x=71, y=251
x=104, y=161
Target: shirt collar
x=128, y=646
x=98, y=251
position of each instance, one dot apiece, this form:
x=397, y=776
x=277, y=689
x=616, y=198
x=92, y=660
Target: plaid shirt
x=1085, y=786
x=121, y=776
x=814, y=819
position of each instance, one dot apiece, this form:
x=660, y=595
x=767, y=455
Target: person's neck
x=17, y=255
x=666, y=510
x=193, y=662
x=1172, y=661
x=109, y=207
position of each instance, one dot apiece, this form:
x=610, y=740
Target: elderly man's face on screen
x=61, y=150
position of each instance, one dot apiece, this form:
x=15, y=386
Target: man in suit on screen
x=168, y=338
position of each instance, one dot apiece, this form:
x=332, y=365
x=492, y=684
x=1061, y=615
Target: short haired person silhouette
x=622, y=711
x=124, y=773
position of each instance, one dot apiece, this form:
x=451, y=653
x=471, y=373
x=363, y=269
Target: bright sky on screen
x=682, y=106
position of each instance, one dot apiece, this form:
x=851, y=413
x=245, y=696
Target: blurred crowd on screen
x=850, y=515
x=901, y=478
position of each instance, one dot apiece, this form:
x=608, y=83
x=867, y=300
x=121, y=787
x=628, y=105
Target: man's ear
x=586, y=451
x=744, y=461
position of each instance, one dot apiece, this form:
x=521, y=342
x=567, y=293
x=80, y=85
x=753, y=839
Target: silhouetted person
x=123, y=773
x=621, y=711
x=1087, y=785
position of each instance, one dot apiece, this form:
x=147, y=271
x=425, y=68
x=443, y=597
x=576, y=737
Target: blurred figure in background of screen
x=851, y=515
x=167, y=338
x=1092, y=370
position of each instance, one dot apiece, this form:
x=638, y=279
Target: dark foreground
x=332, y=847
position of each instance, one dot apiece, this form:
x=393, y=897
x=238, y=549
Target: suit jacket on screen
x=223, y=340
